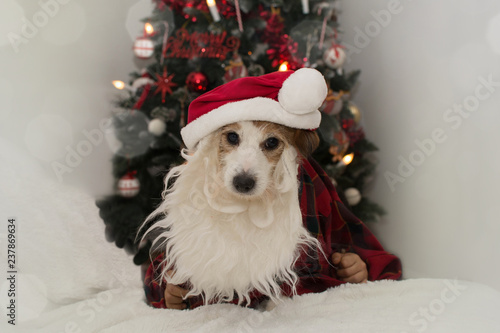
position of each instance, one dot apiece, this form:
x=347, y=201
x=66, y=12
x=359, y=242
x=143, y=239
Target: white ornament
x=143, y=48
x=157, y=127
x=353, y=196
x=128, y=186
x=334, y=57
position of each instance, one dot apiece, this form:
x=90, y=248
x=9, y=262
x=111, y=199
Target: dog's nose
x=243, y=183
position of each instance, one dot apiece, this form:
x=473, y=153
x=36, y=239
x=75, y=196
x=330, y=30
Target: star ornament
x=164, y=84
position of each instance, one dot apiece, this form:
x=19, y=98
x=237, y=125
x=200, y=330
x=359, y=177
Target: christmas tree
x=190, y=47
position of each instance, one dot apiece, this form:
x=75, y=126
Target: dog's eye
x=233, y=138
x=271, y=143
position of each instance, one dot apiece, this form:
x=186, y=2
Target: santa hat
x=290, y=98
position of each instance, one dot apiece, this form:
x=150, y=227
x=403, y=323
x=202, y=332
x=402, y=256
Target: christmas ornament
x=171, y=115
x=157, y=127
x=328, y=106
x=274, y=23
x=340, y=98
x=165, y=39
x=238, y=15
x=334, y=57
x=328, y=11
x=197, y=82
x=356, y=114
x=164, y=84
x=164, y=113
x=143, y=48
x=256, y=70
x=337, y=107
x=200, y=45
x=353, y=196
x=128, y=185
x=141, y=82
x=235, y=70
x=281, y=47
x=333, y=103
x=338, y=151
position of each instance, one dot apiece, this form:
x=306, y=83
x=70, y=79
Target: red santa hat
x=290, y=98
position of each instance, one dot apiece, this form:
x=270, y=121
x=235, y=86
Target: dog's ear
x=305, y=141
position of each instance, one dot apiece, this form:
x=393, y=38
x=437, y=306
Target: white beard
x=223, y=246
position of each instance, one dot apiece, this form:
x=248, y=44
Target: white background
x=442, y=220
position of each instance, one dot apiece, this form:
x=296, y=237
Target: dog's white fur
x=225, y=244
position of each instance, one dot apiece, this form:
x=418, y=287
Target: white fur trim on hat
x=302, y=92
x=258, y=108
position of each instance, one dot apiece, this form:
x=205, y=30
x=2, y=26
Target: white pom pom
x=303, y=92
x=353, y=196
x=157, y=127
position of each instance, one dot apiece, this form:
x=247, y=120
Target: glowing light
x=305, y=6
x=345, y=161
x=119, y=84
x=283, y=67
x=348, y=158
x=213, y=10
x=148, y=27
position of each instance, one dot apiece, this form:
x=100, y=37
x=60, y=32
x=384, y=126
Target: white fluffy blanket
x=71, y=280
x=407, y=306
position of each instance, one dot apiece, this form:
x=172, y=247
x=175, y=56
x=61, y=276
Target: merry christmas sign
x=200, y=44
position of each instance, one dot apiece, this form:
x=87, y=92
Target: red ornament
x=128, y=185
x=197, y=82
x=164, y=84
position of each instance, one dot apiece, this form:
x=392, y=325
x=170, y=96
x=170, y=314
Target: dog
x=230, y=221
x=231, y=227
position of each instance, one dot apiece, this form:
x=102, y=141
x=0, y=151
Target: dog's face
x=249, y=151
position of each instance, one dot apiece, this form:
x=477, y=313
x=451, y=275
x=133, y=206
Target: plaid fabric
x=336, y=228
